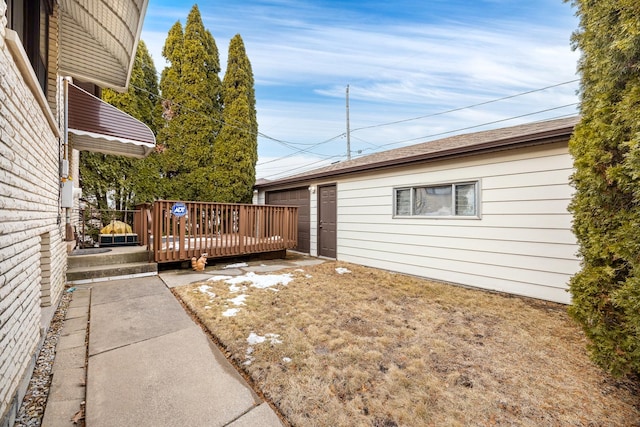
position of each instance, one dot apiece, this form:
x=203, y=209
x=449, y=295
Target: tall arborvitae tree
x=606, y=205
x=192, y=108
x=121, y=180
x=236, y=148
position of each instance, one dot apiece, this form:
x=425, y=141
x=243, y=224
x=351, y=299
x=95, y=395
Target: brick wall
x=32, y=247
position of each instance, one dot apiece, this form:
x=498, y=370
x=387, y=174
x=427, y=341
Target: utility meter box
x=66, y=199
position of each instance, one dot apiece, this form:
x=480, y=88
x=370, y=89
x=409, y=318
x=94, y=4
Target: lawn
x=338, y=344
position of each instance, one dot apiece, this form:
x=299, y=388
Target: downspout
x=66, y=182
x=65, y=157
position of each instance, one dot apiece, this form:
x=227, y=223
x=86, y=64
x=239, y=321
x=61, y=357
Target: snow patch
x=235, y=289
x=205, y=290
x=231, y=312
x=239, y=300
x=254, y=280
x=286, y=359
x=342, y=270
x=254, y=339
x=238, y=265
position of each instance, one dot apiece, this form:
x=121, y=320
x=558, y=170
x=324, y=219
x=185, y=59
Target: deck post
x=182, y=242
x=242, y=228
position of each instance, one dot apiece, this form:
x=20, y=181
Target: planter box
x=128, y=239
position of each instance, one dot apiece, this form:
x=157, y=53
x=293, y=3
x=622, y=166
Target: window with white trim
x=441, y=200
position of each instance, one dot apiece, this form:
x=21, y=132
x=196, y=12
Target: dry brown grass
x=373, y=348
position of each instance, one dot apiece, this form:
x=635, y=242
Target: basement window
x=442, y=200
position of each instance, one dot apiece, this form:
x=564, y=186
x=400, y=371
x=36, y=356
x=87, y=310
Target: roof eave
x=98, y=50
x=540, y=138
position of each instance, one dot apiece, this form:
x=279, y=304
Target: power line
x=468, y=106
x=481, y=125
x=302, y=151
x=305, y=166
x=295, y=150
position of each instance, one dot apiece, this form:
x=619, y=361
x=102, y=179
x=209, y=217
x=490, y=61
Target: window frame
x=27, y=18
x=453, y=184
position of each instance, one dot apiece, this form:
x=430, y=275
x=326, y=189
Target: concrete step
x=96, y=273
x=133, y=255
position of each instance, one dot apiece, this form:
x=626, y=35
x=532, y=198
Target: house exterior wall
x=521, y=243
x=32, y=247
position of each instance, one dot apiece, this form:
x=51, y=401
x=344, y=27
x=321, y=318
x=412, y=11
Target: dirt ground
x=345, y=345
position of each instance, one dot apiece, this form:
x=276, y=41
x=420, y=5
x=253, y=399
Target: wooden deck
x=190, y=229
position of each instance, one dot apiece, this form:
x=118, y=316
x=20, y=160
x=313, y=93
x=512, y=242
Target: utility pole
x=348, y=131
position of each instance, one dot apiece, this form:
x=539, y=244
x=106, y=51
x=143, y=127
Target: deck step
x=108, y=258
x=96, y=273
x=98, y=264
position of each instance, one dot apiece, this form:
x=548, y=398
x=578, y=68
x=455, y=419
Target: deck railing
x=182, y=230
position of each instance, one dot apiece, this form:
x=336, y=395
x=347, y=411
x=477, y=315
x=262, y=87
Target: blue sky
x=406, y=63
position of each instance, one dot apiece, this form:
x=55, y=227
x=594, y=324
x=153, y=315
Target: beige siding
x=522, y=242
x=32, y=250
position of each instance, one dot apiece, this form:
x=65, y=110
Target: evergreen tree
x=236, y=148
x=606, y=205
x=124, y=180
x=192, y=108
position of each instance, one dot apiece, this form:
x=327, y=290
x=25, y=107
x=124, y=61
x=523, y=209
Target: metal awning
x=98, y=40
x=97, y=126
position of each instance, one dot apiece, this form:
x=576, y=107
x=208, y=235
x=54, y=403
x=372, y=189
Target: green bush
x=606, y=205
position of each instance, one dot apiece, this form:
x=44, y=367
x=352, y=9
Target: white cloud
x=303, y=57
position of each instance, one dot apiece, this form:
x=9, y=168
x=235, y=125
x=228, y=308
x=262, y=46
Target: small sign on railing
x=179, y=209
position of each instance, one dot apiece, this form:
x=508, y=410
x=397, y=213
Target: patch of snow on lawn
x=258, y=281
x=231, y=312
x=254, y=338
x=238, y=265
x=270, y=280
x=249, y=357
x=286, y=359
x=342, y=270
x=239, y=300
x=205, y=290
x=235, y=289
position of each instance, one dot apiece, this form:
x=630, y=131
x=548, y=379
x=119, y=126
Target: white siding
x=522, y=243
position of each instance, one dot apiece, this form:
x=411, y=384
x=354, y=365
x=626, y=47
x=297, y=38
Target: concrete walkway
x=149, y=363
